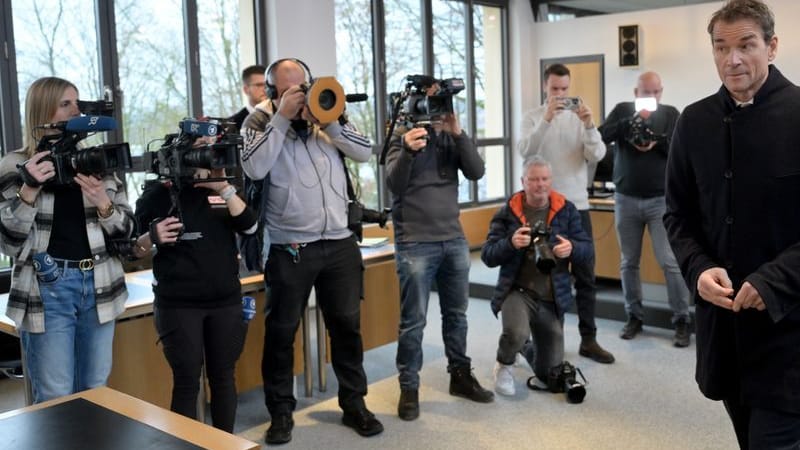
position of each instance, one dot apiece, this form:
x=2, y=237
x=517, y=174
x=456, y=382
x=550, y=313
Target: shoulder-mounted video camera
x=70, y=160
x=414, y=107
x=178, y=157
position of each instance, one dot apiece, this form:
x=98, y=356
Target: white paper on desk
x=373, y=242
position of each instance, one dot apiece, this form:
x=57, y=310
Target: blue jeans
x=631, y=215
x=418, y=265
x=74, y=352
x=524, y=316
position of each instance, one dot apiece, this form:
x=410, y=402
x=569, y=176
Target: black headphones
x=272, y=91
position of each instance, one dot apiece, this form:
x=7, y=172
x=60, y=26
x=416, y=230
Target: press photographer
x=423, y=155
x=532, y=300
x=642, y=130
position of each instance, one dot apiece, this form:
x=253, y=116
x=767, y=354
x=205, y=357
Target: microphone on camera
x=83, y=124
x=353, y=98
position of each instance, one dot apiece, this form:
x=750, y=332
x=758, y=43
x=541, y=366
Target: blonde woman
x=66, y=290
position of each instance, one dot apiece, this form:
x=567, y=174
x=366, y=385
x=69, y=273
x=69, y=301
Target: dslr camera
x=358, y=215
x=540, y=243
x=178, y=156
x=563, y=378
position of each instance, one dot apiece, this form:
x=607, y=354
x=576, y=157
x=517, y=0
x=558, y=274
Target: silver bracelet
x=228, y=192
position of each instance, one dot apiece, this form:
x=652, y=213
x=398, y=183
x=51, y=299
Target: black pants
x=334, y=269
x=758, y=428
x=585, y=286
x=189, y=337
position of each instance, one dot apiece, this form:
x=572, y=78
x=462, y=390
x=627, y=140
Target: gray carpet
x=647, y=399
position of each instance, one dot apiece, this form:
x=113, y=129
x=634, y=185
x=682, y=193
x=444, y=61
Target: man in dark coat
x=732, y=176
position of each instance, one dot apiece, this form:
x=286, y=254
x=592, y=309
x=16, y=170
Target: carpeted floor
x=646, y=400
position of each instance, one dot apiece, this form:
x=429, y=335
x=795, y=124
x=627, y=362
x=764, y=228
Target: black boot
x=408, y=406
x=464, y=384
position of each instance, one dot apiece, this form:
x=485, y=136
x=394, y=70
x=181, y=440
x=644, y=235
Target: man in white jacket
x=563, y=132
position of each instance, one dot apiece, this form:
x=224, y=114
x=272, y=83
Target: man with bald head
x=305, y=215
x=642, y=131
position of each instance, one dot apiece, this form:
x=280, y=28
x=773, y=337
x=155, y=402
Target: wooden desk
x=179, y=426
x=606, y=246
x=140, y=369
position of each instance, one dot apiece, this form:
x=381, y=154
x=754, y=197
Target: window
x=152, y=72
x=355, y=72
x=218, y=25
x=48, y=43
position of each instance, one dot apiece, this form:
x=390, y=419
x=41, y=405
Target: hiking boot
x=503, y=379
x=408, y=406
x=682, y=333
x=591, y=349
x=631, y=328
x=464, y=384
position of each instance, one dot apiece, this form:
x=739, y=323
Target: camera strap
x=351, y=193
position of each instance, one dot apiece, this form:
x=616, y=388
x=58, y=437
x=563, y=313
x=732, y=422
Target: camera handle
x=393, y=120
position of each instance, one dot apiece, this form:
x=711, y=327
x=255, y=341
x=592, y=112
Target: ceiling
x=618, y=6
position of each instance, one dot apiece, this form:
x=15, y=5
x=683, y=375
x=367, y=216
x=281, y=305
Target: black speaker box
x=629, y=45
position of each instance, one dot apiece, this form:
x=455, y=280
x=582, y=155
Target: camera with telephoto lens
x=179, y=157
x=563, y=378
x=540, y=243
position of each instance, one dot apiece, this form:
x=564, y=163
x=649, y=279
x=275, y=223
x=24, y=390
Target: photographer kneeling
x=533, y=288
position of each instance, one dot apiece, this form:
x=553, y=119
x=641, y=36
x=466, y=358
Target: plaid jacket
x=25, y=231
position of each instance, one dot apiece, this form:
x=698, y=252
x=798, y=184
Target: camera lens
x=327, y=99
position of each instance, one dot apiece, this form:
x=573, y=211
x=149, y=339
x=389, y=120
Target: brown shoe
x=631, y=328
x=591, y=349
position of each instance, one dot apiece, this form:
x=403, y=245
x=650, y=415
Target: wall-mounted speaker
x=629, y=45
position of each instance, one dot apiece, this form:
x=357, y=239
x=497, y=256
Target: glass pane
x=493, y=184
x=450, y=50
x=402, y=41
x=152, y=70
x=354, y=70
x=56, y=39
x=488, y=49
x=218, y=24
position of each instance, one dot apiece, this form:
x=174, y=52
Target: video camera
x=540, y=243
x=69, y=160
x=414, y=107
x=178, y=156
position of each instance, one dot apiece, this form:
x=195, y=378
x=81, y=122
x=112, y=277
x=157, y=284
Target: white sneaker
x=504, y=379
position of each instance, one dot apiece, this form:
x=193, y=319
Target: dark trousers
x=758, y=428
x=585, y=287
x=189, y=337
x=334, y=269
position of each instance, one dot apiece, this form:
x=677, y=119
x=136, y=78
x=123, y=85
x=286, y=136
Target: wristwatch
x=105, y=212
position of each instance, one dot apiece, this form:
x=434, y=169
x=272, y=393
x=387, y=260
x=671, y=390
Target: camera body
x=358, y=215
x=639, y=133
x=540, y=243
x=563, y=378
x=178, y=157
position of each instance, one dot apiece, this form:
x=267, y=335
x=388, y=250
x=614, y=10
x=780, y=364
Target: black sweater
x=199, y=273
x=637, y=173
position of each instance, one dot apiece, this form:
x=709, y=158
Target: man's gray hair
x=536, y=160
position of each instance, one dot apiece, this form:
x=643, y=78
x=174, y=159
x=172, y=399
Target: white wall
x=303, y=29
x=673, y=42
